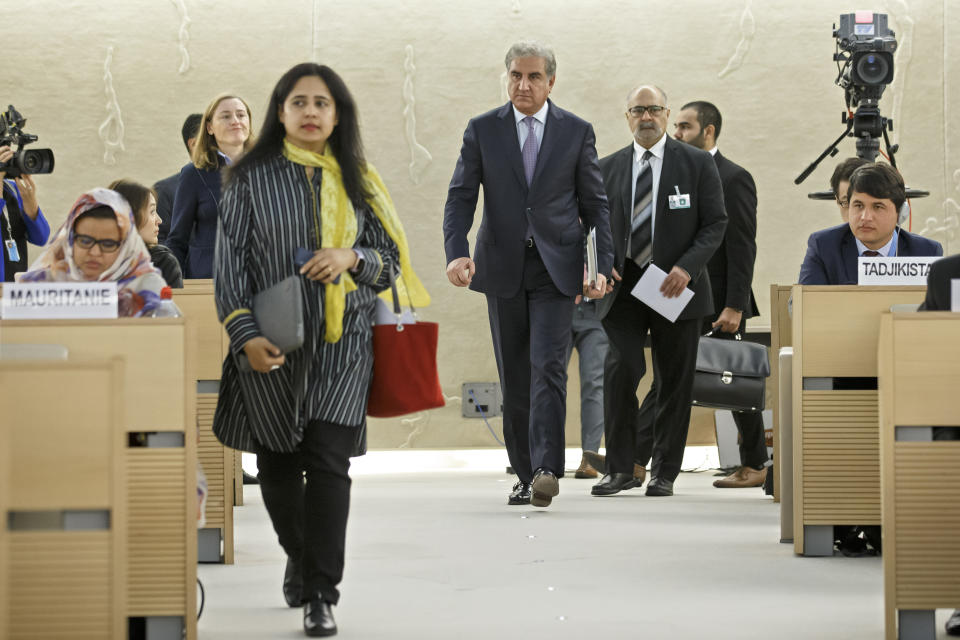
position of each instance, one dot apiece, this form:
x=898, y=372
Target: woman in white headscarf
x=99, y=242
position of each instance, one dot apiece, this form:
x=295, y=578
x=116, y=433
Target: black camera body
x=12, y=133
x=869, y=46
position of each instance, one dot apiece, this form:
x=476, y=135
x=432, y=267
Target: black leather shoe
x=614, y=483
x=520, y=493
x=545, y=485
x=292, y=584
x=318, y=619
x=659, y=487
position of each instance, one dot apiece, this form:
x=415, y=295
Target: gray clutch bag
x=278, y=311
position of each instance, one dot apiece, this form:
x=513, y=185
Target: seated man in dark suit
x=938, y=283
x=938, y=299
x=876, y=194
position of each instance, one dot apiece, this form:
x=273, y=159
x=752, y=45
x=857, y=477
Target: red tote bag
x=405, y=376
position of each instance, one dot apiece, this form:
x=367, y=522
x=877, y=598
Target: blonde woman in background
x=224, y=135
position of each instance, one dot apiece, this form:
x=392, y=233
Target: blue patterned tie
x=529, y=150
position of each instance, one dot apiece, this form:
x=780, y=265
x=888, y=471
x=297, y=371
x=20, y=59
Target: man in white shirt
x=666, y=208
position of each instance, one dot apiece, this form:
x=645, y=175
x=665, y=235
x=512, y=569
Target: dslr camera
x=11, y=133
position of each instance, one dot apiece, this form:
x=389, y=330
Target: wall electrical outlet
x=477, y=397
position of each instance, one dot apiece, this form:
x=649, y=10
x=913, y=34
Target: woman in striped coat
x=305, y=185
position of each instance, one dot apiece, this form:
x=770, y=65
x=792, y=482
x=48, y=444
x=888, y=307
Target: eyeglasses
x=107, y=245
x=653, y=110
x=844, y=203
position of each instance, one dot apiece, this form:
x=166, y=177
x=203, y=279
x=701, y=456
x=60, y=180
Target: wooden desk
x=780, y=336
x=148, y=491
x=836, y=448
x=209, y=343
x=919, y=376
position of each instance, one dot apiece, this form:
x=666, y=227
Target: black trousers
x=753, y=446
x=531, y=336
x=310, y=517
x=674, y=361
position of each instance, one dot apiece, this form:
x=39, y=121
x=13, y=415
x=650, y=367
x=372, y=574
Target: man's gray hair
x=532, y=49
x=633, y=92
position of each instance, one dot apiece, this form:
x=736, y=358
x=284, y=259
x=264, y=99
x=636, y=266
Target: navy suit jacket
x=832, y=254
x=686, y=238
x=565, y=197
x=193, y=225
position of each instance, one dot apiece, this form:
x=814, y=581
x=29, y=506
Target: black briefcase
x=731, y=374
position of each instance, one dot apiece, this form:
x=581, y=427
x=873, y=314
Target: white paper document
x=955, y=295
x=647, y=291
x=592, y=257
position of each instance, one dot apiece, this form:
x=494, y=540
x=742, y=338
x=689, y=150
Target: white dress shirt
x=888, y=250
x=656, y=165
x=539, y=120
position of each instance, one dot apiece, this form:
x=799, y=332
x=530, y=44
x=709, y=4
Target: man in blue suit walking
x=541, y=188
x=875, y=195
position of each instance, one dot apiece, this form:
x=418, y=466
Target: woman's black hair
x=344, y=141
x=100, y=212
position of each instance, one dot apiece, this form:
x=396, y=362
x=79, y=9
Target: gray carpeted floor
x=441, y=555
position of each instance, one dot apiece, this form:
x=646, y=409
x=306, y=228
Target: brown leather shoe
x=599, y=463
x=585, y=470
x=743, y=477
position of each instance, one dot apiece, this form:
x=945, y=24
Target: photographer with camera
x=22, y=220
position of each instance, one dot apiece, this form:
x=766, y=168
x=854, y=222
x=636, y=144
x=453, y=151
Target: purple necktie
x=529, y=150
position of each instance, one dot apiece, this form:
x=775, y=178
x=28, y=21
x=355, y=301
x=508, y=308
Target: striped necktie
x=641, y=223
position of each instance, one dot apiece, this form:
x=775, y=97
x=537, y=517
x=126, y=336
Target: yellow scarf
x=339, y=230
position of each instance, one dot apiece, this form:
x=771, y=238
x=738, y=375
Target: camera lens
x=873, y=69
x=36, y=161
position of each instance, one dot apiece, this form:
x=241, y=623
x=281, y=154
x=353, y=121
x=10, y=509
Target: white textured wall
x=420, y=69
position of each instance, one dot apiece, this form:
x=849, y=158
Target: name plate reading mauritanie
x=894, y=271
x=59, y=300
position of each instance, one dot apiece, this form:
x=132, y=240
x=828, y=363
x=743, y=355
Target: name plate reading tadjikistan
x=894, y=271
x=59, y=300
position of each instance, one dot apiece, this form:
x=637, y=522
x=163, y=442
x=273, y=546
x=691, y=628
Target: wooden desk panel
x=919, y=375
x=157, y=507
x=154, y=361
x=841, y=327
x=780, y=336
x=44, y=443
x=835, y=433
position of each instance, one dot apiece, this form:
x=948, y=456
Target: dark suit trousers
x=753, y=446
x=674, y=359
x=531, y=337
x=310, y=517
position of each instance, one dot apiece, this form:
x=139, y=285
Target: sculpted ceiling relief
x=111, y=131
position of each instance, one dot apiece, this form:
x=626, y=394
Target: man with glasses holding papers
x=667, y=217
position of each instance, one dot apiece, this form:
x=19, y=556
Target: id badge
x=678, y=200
x=12, y=252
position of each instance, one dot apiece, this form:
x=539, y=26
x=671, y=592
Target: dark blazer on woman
x=193, y=227
x=832, y=254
